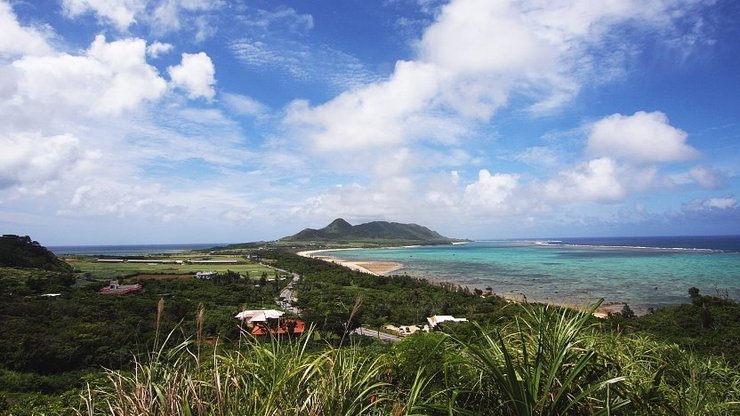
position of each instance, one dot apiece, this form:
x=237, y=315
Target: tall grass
x=549, y=361
x=544, y=365
x=277, y=377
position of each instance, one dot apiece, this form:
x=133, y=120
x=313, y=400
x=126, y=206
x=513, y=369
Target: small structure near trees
x=435, y=320
x=114, y=288
x=206, y=275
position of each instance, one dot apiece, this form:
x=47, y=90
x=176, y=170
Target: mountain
x=17, y=251
x=340, y=231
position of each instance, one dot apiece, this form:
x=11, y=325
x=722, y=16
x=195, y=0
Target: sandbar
x=377, y=268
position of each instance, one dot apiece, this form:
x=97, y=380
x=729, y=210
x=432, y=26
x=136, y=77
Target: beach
x=376, y=268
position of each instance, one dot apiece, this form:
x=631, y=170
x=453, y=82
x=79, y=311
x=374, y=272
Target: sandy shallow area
x=377, y=268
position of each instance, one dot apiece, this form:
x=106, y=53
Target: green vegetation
x=16, y=251
x=51, y=344
x=372, y=234
x=545, y=362
x=108, y=271
x=709, y=325
x=174, y=348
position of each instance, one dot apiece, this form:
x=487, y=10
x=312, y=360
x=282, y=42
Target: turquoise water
x=576, y=274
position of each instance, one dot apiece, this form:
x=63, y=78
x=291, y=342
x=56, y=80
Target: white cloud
x=642, y=137
x=721, y=203
x=472, y=59
x=284, y=18
x=30, y=163
x=595, y=181
x=20, y=40
x=713, y=204
x=156, y=49
x=169, y=16
x=539, y=156
x=108, y=79
x=161, y=16
x=243, y=105
x=491, y=192
x=194, y=74
x=706, y=177
x=309, y=63
x=482, y=37
x=121, y=13
x=101, y=198
x=374, y=116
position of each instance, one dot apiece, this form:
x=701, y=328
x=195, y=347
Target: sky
x=194, y=121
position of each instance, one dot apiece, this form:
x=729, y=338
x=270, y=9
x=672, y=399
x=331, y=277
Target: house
x=287, y=326
x=438, y=319
x=117, y=289
x=258, y=315
x=51, y=295
x=205, y=275
x=412, y=329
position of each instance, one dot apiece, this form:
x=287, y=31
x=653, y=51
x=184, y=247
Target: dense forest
x=174, y=348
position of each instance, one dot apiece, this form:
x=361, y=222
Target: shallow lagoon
x=573, y=272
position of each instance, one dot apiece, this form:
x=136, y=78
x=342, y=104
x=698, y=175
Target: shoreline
x=375, y=268
x=381, y=268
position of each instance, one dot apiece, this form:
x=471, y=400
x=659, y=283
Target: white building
x=438, y=319
x=205, y=275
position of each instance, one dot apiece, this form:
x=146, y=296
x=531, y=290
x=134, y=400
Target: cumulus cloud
x=595, y=181
x=156, y=49
x=30, y=163
x=122, y=13
x=195, y=74
x=108, y=78
x=472, y=59
x=20, y=40
x=490, y=192
x=642, y=137
x=374, y=116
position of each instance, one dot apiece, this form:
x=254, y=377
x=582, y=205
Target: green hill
x=340, y=231
x=17, y=251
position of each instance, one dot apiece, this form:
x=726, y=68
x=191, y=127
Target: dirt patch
x=161, y=276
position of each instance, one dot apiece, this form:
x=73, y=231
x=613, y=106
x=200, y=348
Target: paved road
x=376, y=334
x=285, y=300
x=286, y=303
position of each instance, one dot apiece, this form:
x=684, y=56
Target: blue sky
x=161, y=121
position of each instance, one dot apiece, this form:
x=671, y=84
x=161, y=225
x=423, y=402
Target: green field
x=108, y=271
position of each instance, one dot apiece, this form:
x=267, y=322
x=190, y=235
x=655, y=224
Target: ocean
x=644, y=272
x=127, y=250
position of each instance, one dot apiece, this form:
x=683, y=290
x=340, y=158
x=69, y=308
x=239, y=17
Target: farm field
x=108, y=271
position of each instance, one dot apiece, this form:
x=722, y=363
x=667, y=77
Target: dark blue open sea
x=641, y=271
x=127, y=250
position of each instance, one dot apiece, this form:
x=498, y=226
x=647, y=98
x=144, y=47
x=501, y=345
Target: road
x=285, y=301
x=376, y=334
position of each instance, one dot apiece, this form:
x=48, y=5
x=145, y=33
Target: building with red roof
x=297, y=325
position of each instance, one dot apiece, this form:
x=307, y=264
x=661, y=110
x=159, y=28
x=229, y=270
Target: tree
x=627, y=312
x=705, y=318
x=696, y=298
